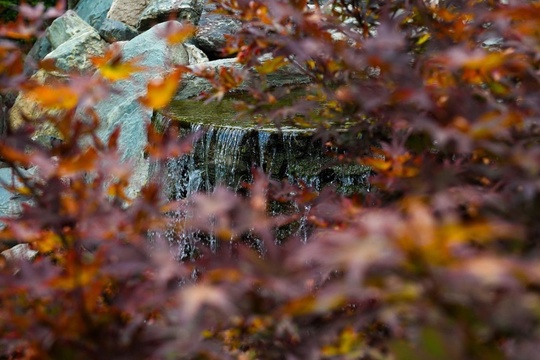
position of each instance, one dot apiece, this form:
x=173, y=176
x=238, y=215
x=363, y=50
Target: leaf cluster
x=439, y=260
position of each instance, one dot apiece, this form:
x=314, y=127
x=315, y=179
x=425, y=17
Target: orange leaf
x=57, y=97
x=177, y=34
x=80, y=163
x=161, y=91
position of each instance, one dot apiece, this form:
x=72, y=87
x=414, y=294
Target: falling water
x=225, y=155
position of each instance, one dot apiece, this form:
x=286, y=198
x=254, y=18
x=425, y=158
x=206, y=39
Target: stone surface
x=193, y=86
x=41, y=48
x=127, y=11
x=195, y=55
x=10, y=204
x=122, y=108
x=29, y=109
x=211, y=30
x=18, y=253
x=163, y=10
x=114, y=31
x=93, y=11
x=66, y=27
x=74, y=55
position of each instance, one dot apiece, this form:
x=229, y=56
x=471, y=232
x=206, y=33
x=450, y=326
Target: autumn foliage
x=438, y=260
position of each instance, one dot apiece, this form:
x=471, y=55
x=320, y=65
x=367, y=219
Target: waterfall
x=225, y=155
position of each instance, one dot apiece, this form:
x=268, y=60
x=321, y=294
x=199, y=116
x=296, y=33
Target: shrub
x=438, y=261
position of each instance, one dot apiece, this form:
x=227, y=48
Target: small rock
x=195, y=55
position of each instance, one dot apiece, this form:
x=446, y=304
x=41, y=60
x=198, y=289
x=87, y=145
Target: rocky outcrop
x=162, y=10
x=213, y=27
x=127, y=11
x=93, y=12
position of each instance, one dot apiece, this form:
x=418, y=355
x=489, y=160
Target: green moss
x=225, y=113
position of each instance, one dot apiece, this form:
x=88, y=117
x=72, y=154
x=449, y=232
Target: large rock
x=163, y=10
x=193, y=86
x=213, y=27
x=66, y=27
x=122, y=108
x=127, y=11
x=27, y=109
x=93, y=11
x=114, y=31
x=74, y=55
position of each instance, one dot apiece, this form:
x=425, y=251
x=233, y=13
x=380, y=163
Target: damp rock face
x=227, y=150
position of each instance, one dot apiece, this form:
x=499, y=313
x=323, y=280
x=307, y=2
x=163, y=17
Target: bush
x=438, y=261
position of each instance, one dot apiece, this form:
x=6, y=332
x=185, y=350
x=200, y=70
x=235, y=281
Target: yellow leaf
x=423, y=39
x=113, y=68
x=161, y=91
x=57, y=97
x=269, y=66
x=49, y=241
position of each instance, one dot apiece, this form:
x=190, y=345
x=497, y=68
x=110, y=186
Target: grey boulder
x=114, y=31
x=93, y=11
x=75, y=54
x=123, y=109
x=158, y=11
x=66, y=27
x=210, y=35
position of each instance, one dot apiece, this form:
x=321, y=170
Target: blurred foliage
x=439, y=260
x=8, y=8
